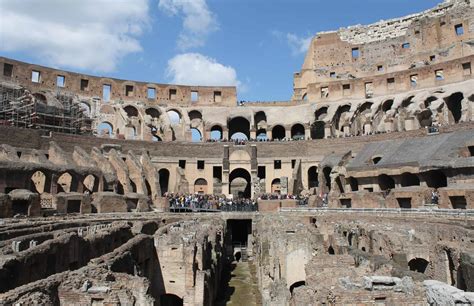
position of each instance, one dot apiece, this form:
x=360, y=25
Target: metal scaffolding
x=21, y=109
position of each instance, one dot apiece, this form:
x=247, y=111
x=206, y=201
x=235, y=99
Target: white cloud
x=198, y=21
x=298, y=45
x=197, y=69
x=84, y=34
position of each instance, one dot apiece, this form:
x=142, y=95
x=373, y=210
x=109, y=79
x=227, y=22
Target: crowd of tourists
x=245, y=141
x=209, y=202
x=302, y=200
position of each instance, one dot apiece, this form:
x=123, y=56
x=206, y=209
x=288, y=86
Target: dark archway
x=435, y=179
x=239, y=125
x=297, y=132
x=276, y=186
x=262, y=135
x=425, y=118
x=296, y=285
x=193, y=115
x=216, y=132
x=321, y=113
x=313, y=177
x=331, y=250
x=453, y=102
x=153, y=112
x=385, y=182
x=164, y=175
x=409, y=179
x=170, y=300
x=317, y=130
x=131, y=111
x=387, y=105
x=260, y=119
x=327, y=176
x=240, y=185
x=278, y=132
x=418, y=265
x=338, y=124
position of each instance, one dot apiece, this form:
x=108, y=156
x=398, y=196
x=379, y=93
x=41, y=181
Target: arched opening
x=353, y=183
x=409, y=179
x=216, y=132
x=196, y=135
x=153, y=112
x=260, y=120
x=365, y=108
x=148, y=188
x=65, y=182
x=376, y=159
x=453, y=102
x=90, y=183
x=174, y=116
x=321, y=113
x=131, y=111
x=200, y=186
x=418, y=265
x=435, y=179
x=317, y=130
x=430, y=100
x=278, y=132
x=387, y=105
x=240, y=186
x=134, y=186
x=39, y=182
x=276, y=186
x=340, y=116
x=238, y=256
x=407, y=101
x=40, y=98
x=262, y=135
x=385, y=182
x=313, y=177
x=164, y=175
x=156, y=138
x=425, y=118
x=105, y=129
x=297, y=132
x=327, y=176
x=195, y=115
x=240, y=126
x=296, y=285
x=170, y=300
x=331, y=250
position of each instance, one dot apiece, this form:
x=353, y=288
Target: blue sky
x=254, y=44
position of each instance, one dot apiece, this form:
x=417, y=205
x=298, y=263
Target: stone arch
x=327, y=176
x=385, y=182
x=262, y=135
x=296, y=285
x=105, y=129
x=321, y=113
x=240, y=183
x=170, y=300
x=239, y=125
x=435, y=179
x=418, y=265
x=278, y=132
x=90, y=183
x=200, y=186
x=153, y=112
x=131, y=111
x=39, y=97
x=216, y=132
x=313, y=180
x=425, y=118
x=318, y=130
x=339, y=117
x=174, y=116
x=65, y=182
x=298, y=131
x=276, y=185
x=409, y=179
x=454, y=104
x=164, y=176
x=387, y=105
x=40, y=182
x=429, y=100
x=195, y=115
x=407, y=102
x=196, y=135
x=260, y=119
x=86, y=109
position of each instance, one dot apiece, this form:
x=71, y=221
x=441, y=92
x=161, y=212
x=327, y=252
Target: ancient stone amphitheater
x=364, y=181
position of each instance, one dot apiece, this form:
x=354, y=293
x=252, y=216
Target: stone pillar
x=269, y=134
x=253, y=134
x=307, y=133
x=288, y=133
x=225, y=134
x=327, y=131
